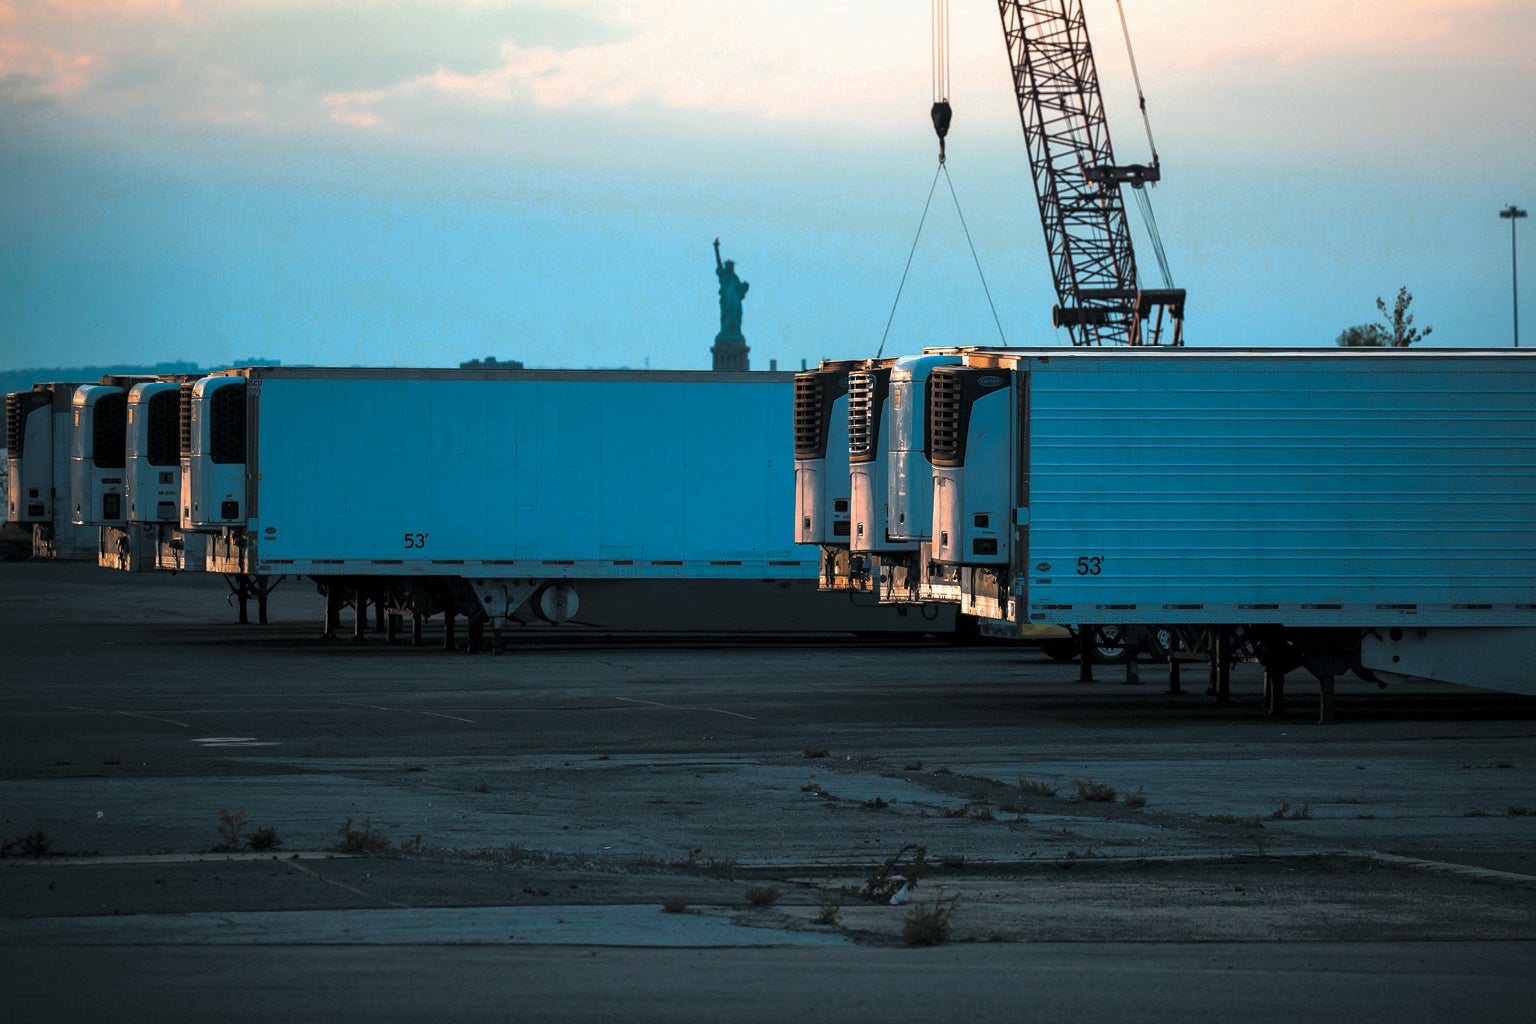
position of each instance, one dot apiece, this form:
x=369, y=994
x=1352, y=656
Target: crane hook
x=941, y=114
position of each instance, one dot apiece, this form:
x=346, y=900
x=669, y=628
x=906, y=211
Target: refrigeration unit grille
x=109, y=431
x=226, y=426
x=162, y=432
x=861, y=415
x=13, y=417
x=811, y=415
x=184, y=421
x=18, y=406
x=945, y=422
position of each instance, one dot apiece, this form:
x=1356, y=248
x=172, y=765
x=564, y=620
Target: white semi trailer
x=1328, y=509
x=513, y=495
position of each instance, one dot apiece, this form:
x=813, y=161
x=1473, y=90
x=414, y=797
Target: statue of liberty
x=732, y=290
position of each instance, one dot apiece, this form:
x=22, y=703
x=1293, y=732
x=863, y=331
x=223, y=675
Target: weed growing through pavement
x=884, y=882
x=1232, y=819
x=929, y=926
x=763, y=896
x=33, y=844
x=231, y=823
x=1034, y=788
x=363, y=840
x=1284, y=813
x=1089, y=791
x=263, y=839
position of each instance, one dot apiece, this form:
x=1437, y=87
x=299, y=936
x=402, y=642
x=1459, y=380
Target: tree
x=1399, y=331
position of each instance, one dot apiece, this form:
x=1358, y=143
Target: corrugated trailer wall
x=1312, y=489
x=432, y=469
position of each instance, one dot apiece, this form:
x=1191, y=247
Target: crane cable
x=940, y=112
x=1141, y=97
x=939, y=16
x=1143, y=200
x=921, y=221
x=979, y=273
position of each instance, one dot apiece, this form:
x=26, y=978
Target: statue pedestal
x=730, y=353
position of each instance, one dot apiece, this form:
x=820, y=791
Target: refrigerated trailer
x=508, y=494
x=1371, y=509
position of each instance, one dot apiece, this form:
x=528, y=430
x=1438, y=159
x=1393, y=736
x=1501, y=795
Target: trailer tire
x=1109, y=646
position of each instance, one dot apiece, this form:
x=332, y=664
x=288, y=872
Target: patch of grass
x=674, y=905
x=953, y=861
x=912, y=766
x=815, y=751
x=763, y=896
x=982, y=812
x=877, y=804
x=413, y=768
x=1089, y=791
x=1477, y=812
x=1036, y=788
x=361, y=840
x=828, y=911
x=1518, y=810
x=1135, y=799
x=811, y=787
x=33, y=844
x=929, y=926
x=482, y=788
x=1013, y=807
x=231, y=823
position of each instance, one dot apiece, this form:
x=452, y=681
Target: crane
x=1077, y=182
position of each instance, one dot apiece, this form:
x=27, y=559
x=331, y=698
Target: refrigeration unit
x=29, y=454
x=38, y=440
x=97, y=464
x=213, y=454
x=823, y=491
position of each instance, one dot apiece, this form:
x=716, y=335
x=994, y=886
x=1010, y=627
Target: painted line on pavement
x=409, y=711
x=674, y=707
x=125, y=714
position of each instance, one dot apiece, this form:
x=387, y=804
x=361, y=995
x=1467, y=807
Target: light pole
x=1513, y=213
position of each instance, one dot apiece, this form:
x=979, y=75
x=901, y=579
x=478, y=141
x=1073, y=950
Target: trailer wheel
x=1109, y=645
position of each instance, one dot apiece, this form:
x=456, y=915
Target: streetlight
x=1513, y=213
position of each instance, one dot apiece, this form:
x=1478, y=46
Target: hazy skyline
x=423, y=183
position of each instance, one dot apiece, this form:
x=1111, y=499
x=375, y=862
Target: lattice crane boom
x=1077, y=182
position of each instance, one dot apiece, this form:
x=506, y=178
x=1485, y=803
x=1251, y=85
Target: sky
x=383, y=182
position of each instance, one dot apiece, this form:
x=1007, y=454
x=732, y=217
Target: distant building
x=492, y=363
